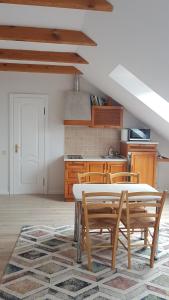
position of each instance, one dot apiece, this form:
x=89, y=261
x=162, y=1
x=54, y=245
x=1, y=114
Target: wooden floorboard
x=29, y=210
x=34, y=210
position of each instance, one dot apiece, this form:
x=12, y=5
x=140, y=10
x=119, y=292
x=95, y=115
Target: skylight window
x=141, y=91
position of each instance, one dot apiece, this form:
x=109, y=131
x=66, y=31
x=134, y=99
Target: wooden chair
x=136, y=220
x=124, y=177
x=101, y=220
x=92, y=177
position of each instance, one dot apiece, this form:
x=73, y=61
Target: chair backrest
x=124, y=177
x=151, y=204
x=101, y=205
x=92, y=177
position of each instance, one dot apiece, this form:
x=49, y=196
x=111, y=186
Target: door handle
x=17, y=148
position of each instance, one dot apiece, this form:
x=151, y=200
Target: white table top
x=116, y=188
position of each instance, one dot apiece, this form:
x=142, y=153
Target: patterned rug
x=43, y=266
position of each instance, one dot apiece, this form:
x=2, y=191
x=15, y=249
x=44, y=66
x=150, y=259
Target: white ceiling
x=134, y=35
x=39, y=16
x=36, y=16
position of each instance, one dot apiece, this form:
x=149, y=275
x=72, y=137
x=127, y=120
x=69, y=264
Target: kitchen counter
x=140, y=142
x=94, y=158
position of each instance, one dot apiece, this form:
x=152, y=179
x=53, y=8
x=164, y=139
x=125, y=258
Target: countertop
x=140, y=142
x=94, y=158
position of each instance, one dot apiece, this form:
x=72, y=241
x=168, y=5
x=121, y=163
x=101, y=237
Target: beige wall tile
x=90, y=141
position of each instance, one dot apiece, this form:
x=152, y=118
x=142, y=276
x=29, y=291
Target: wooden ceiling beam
x=34, y=68
x=99, y=5
x=45, y=35
x=30, y=55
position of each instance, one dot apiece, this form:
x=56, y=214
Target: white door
x=27, y=143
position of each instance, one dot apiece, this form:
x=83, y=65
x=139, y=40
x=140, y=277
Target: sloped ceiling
x=134, y=34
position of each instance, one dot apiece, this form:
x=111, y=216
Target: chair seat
x=138, y=222
x=105, y=210
x=135, y=209
x=102, y=224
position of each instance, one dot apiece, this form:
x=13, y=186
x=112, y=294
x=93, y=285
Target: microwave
x=135, y=134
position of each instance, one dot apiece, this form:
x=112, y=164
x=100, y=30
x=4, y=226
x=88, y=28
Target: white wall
x=54, y=86
x=38, y=84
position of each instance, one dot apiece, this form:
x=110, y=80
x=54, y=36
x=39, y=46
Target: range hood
x=77, y=106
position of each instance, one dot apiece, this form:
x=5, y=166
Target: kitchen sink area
x=74, y=156
x=79, y=157
x=118, y=156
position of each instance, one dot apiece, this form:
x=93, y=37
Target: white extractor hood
x=77, y=104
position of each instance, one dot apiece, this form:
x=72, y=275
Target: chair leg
x=142, y=234
x=153, y=248
x=129, y=248
x=114, y=241
x=145, y=237
x=88, y=250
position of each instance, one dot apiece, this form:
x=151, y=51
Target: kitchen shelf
x=107, y=116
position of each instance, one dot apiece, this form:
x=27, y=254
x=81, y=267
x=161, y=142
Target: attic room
x=84, y=92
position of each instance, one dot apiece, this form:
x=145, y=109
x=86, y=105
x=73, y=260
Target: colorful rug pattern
x=43, y=266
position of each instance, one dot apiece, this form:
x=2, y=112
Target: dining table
x=88, y=188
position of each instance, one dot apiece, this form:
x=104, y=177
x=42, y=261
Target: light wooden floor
x=34, y=210
x=29, y=210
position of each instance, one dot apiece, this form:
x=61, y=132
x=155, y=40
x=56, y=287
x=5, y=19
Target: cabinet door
x=145, y=164
x=114, y=167
x=68, y=190
x=73, y=168
x=107, y=116
x=95, y=166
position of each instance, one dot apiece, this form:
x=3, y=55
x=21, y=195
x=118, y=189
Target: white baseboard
x=4, y=193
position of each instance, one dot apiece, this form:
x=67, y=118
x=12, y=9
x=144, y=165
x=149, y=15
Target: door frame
x=11, y=133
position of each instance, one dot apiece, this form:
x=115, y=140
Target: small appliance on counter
x=135, y=134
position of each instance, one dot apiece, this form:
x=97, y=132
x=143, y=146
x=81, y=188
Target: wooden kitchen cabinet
x=74, y=167
x=116, y=166
x=145, y=163
x=68, y=189
x=107, y=116
x=142, y=158
x=97, y=166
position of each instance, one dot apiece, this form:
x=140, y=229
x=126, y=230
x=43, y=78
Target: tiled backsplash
x=91, y=141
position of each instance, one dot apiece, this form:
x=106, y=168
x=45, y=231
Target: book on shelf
x=97, y=101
